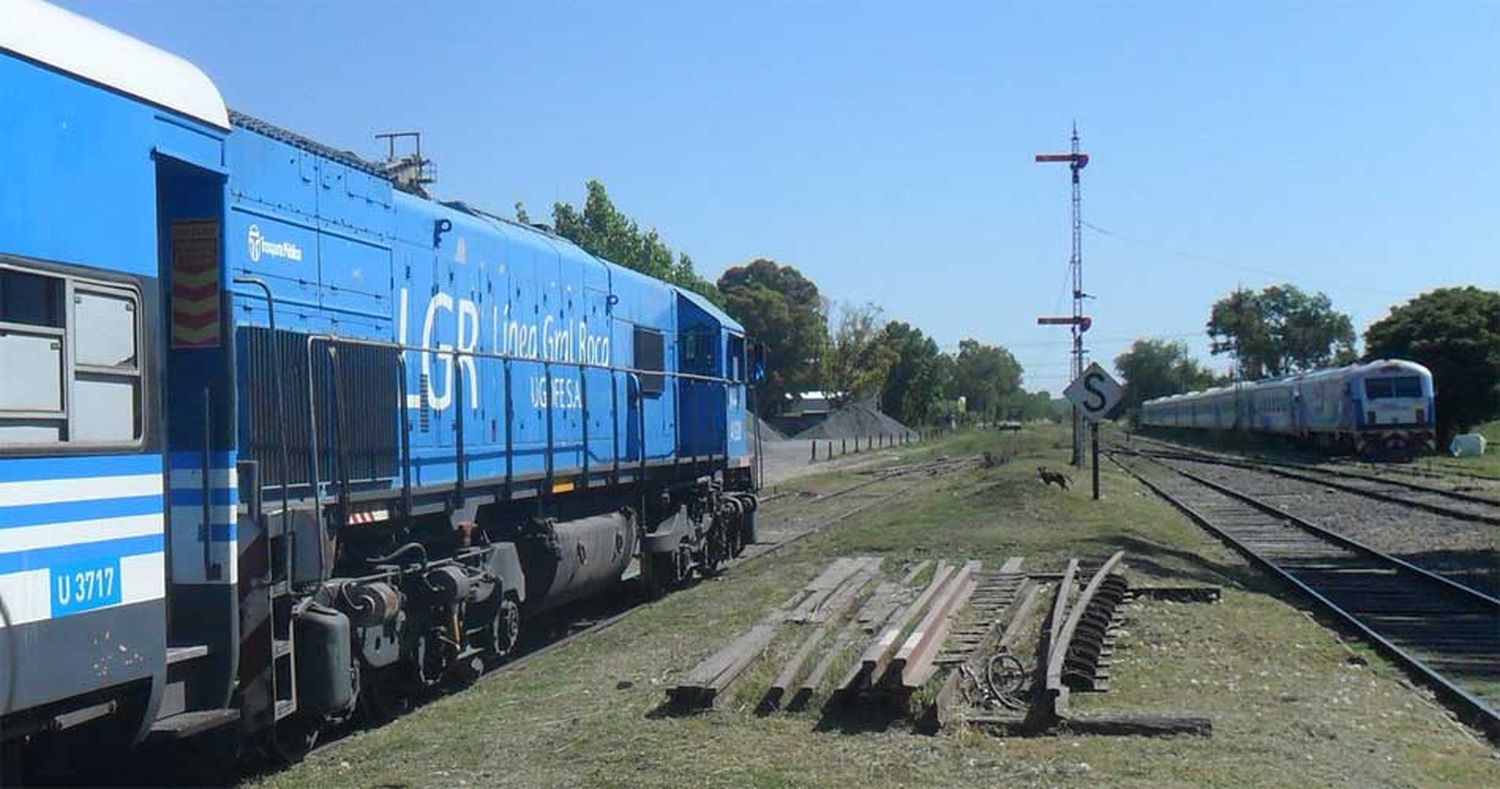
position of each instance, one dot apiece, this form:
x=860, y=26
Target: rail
x=1318, y=475
x=1062, y=638
x=1470, y=706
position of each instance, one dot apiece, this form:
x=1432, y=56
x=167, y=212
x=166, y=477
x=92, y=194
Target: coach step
x=190, y=724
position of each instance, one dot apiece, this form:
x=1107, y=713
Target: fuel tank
x=569, y=560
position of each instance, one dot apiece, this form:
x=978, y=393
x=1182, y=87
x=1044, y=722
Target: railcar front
x=1394, y=407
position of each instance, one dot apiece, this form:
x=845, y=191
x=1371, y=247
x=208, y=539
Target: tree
x=1455, y=332
x=1280, y=330
x=601, y=229
x=1156, y=368
x=983, y=374
x=782, y=310
x=857, y=362
x=914, y=384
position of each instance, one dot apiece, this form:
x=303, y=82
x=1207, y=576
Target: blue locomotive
x=1384, y=407
x=281, y=437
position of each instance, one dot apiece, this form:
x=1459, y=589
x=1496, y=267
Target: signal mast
x=1080, y=323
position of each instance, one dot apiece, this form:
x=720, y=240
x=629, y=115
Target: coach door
x=199, y=404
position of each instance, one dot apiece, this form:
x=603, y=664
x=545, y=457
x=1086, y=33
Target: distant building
x=803, y=410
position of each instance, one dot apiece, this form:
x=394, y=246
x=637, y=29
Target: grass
x=1291, y=703
x=1487, y=464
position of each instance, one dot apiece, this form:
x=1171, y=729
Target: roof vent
x=410, y=172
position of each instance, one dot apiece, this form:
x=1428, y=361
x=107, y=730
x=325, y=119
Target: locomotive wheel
x=506, y=627
x=290, y=739
x=380, y=699
x=747, y=528
x=427, y=660
x=713, y=552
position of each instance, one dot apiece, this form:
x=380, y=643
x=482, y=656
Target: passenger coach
x=1383, y=407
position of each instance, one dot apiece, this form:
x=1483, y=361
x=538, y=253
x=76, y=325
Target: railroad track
x=1441, y=501
x=1443, y=632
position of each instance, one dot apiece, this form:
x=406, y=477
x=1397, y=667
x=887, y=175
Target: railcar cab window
x=70, y=368
x=1397, y=386
x=736, y=358
x=650, y=358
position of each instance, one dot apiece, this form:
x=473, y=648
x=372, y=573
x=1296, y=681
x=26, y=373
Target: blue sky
x=885, y=148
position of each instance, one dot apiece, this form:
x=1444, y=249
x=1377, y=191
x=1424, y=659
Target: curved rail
x=1381, y=586
x=1062, y=639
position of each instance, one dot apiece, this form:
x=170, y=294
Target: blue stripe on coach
x=219, y=532
x=45, y=558
x=28, y=469
x=65, y=511
x=193, y=497
x=193, y=461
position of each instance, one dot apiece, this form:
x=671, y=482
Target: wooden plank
x=837, y=607
x=821, y=587
x=1017, y=622
x=1012, y=565
x=916, y=571
x=843, y=598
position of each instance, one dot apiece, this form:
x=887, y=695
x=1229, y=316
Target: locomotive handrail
x=634, y=375
x=281, y=439
x=477, y=354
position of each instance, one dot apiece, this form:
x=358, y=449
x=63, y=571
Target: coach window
x=650, y=358
x=106, y=368
x=32, y=358
x=69, y=361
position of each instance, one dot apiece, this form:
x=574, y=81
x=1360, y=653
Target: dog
x=1053, y=477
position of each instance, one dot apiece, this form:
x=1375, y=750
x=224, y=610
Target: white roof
x=78, y=45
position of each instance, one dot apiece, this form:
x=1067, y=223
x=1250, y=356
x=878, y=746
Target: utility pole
x=1076, y=161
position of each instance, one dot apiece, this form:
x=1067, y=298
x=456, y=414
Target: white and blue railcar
x=1375, y=408
x=281, y=436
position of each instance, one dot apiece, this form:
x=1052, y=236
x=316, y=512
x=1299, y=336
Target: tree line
x=850, y=351
x=1282, y=330
x=853, y=352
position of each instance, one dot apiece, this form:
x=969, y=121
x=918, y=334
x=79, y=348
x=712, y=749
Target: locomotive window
x=736, y=358
x=650, y=355
x=1400, y=386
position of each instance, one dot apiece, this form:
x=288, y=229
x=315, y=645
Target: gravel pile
x=768, y=432
x=858, y=420
x=1465, y=551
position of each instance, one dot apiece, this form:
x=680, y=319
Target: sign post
x=1094, y=393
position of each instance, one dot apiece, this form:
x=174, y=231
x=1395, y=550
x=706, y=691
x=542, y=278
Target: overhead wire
x=1212, y=261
